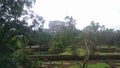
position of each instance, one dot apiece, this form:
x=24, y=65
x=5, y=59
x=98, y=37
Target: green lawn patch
x=80, y=51
x=75, y=66
x=57, y=62
x=90, y=65
x=115, y=53
x=66, y=53
x=98, y=65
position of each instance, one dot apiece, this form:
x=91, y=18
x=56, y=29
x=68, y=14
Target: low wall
x=75, y=57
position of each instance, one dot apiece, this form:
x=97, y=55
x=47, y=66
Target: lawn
x=98, y=65
x=95, y=65
x=114, y=53
x=80, y=51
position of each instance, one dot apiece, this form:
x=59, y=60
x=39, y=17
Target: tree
x=63, y=39
x=70, y=22
x=37, y=22
x=86, y=40
x=109, y=36
x=13, y=32
x=90, y=37
x=92, y=32
x=66, y=37
x=57, y=43
x=40, y=38
x=117, y=38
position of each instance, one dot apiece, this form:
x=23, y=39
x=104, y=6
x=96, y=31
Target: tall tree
x=63, y=39
x=35, y=21
x=70, y=22
x=90, y=39
x=13, y=32
x=92, y=32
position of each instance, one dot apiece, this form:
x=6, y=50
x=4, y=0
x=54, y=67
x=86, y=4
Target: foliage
x=63, y=39
x=23, y=59
x=70, y=22
x=35, y=21
x=40, y=38
x=57, y=43
x=13, y=32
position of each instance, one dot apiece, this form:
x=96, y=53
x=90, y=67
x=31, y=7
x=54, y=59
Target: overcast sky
x=106, y=12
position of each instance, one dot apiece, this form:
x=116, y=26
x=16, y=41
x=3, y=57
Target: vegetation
x=16, y=35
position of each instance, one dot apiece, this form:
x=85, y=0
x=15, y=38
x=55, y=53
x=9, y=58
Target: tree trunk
x=87, y=56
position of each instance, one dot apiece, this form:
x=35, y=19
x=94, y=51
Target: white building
x=56, y=26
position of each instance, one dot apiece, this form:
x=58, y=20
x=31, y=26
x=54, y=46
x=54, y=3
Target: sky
x=104, y=12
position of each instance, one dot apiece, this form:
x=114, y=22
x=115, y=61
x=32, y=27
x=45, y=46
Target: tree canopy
x=13, y=32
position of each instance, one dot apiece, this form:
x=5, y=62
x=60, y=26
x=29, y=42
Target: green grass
x=98, y=65
x=95, y=65
x=76, y=66
x=57, y=62
x=115, y=53
x=66, y=53
x=68, y=49
x=118, y=67
x=80, y=51
x=105, y=46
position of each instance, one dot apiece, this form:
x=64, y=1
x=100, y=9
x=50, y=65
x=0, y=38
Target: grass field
x=80, y=51
x=97, y=65
x=91, y=65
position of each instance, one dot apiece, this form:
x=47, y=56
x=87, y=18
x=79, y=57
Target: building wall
x=56, y=26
